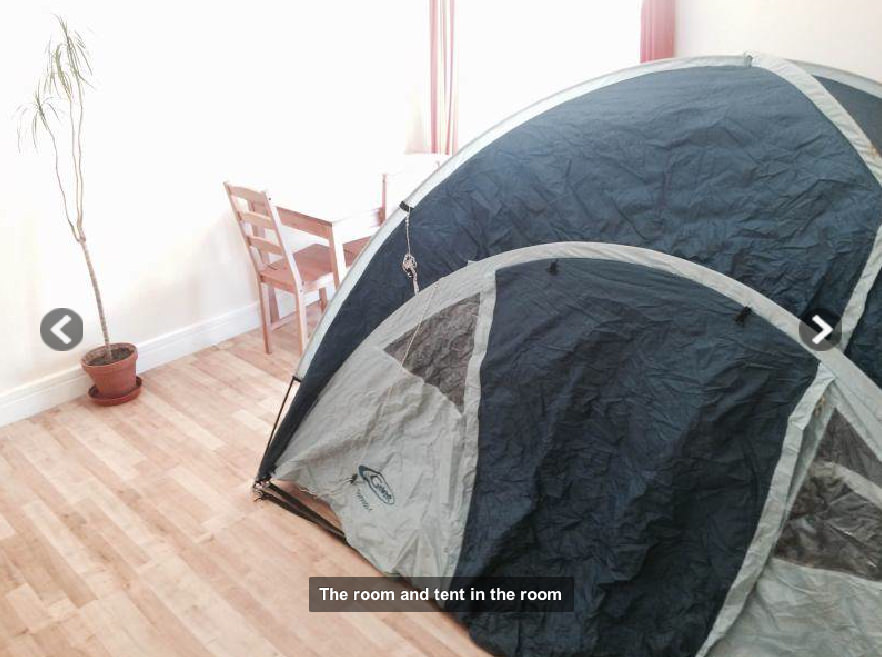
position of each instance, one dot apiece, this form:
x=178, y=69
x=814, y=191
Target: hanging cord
x=419, y=325
x=409, y=263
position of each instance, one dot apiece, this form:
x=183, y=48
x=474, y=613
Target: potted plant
x=55, y=112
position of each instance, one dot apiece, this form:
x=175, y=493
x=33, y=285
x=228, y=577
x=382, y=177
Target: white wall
x=843, y=34
x=293, y=94
x=515, y=53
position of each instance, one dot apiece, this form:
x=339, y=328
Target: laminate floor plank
x=131, y=531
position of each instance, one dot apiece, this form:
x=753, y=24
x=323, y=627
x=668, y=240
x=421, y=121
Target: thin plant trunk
x=67, y=75
x=97, y=292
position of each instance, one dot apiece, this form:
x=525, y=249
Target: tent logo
x=377, y=483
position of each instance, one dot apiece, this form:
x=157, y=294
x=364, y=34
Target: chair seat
x=314, y=263
x=353, y=248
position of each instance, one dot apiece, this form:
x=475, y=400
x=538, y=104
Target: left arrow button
x=58, y=333
x=61, y=329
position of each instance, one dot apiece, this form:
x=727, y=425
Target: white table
x=354, y=205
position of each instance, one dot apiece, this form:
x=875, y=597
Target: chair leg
x=273, y=304
x=264, y=318
x=301, y=321
x=323, y=298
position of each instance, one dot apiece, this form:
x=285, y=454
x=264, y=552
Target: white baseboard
x=177, y=344
x=36, y=396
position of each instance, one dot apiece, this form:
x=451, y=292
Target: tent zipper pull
x=409, y=263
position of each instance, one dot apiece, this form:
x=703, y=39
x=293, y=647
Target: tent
x=594, y=369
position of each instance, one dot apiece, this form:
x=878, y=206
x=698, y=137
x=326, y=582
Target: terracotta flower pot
x=115, y=380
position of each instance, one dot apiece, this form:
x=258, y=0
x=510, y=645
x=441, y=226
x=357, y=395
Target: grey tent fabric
x=833, y=527
x=843, y=445
x=602, y=377
x=819, y=594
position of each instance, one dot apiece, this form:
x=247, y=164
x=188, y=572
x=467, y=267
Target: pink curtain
x=444, y=102
x=657, y=30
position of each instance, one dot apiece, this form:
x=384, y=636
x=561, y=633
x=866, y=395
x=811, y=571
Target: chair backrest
x=261, y=229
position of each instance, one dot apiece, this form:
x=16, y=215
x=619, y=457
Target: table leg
x=338, y=258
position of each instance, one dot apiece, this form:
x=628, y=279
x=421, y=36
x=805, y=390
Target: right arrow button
x=820, y=329
x=825, y=329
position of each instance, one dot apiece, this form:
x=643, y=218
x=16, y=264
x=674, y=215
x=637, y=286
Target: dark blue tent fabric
x=630, y=424
x=864, y=348
x=864, y=108
x=730, y=167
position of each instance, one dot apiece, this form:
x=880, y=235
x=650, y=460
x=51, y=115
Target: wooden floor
x=131, y=531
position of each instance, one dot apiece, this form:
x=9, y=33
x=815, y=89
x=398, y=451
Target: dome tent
x=601, y=375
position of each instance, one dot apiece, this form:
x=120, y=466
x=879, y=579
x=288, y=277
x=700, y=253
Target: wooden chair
x=303, y=272
x=352, y=249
